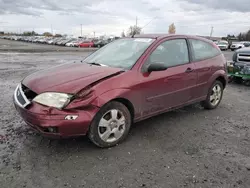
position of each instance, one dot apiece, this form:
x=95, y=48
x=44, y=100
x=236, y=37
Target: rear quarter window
x=203, y=50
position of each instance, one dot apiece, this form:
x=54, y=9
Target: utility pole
x=212, y=30
x=94, y=34
x=81, y=30
x=51, y=30
x=136, y=20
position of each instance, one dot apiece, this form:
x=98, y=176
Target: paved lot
x=190, y=147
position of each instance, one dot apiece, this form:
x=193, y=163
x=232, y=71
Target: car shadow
x=165, y=122
x=140, y=129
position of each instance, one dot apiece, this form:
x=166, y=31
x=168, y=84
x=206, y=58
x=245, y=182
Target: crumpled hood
x=67, y=78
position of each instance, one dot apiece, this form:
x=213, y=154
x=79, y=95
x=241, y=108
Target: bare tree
x=47, y=34
x=123, y=34
x=171, y=29
x=58, y=35
x=134, y=30
x=244, y=36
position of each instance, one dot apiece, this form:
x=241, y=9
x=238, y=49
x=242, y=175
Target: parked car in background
x=239, y=68
x=59, y=43
x=56, y=40
x=76, y=44
x=100, y=43
x=127, y=81
x=64, y=42
x=223, y=45
x=86, y=44
x=50, y=41
x=246, y=43
x=237, y=45
x=71, y=43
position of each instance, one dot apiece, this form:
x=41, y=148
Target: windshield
x=122, y=53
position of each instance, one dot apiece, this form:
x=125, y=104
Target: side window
x=203, y=50
x=171, y=52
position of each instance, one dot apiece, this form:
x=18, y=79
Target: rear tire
x=110, y=125
x=214, y=96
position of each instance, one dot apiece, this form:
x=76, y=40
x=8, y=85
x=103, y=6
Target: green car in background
x=239, y=68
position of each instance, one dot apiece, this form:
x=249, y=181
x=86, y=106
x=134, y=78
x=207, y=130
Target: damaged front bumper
x=53, y=122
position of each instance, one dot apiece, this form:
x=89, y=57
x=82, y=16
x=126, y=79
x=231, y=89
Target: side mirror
x=157, y=66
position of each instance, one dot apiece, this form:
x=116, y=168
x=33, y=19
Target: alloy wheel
x=112, y=126
x=216, y=94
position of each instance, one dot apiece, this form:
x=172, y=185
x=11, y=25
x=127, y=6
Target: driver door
x=162, y=90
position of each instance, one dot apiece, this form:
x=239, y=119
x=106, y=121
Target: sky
x=112, y=17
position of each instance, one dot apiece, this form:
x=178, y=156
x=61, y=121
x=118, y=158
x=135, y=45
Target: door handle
x=189, y=70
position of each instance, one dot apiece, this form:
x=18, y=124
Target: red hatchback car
x=126, y=81
x=86, y=44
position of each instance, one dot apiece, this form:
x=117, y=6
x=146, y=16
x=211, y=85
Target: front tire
x=110, y=125
x=214, y=96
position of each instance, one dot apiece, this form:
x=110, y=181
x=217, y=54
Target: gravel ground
x=190, y=147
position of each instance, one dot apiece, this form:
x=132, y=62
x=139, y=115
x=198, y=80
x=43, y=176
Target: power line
x=149, y=22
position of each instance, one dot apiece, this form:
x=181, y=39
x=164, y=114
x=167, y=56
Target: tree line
x=245, y=36
x=31, y=33
x=133, y=30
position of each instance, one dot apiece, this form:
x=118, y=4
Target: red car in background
x=127, y=81
x=86, y=44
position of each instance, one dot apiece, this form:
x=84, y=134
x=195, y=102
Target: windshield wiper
x=94, y=63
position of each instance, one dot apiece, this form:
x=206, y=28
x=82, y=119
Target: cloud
x=230, y=5
x=112, y=17
x=38, y=6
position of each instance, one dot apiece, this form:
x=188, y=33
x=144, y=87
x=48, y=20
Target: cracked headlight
x=52, y=99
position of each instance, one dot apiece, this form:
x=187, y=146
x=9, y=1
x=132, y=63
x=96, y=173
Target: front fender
x=110, y=95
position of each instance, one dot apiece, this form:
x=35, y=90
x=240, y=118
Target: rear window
x=203, y=50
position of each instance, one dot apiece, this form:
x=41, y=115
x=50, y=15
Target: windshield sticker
x=143, y=40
